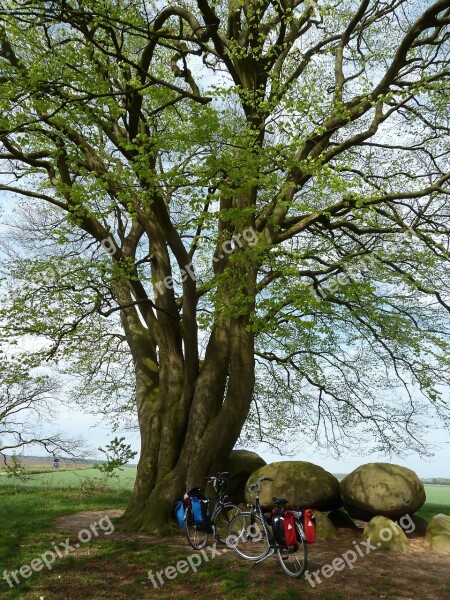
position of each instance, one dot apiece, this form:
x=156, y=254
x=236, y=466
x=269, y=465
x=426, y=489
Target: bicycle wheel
x=247, y=536
x=197, y=537
x=223, y=519
x=293, y=559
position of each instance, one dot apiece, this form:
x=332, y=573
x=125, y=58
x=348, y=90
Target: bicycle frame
x=256, y=508
x=251, y=529
x=218, y=507
x=219, y=484
x=197, y=537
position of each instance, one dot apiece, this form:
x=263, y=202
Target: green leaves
x=326, y=138
x=118, y=454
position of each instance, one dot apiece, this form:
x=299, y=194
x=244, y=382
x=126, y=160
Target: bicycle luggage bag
x=278, y=527
x=180, y=513
x=290, y=534
x=195, y=493
x=201, y=512
x=309, y=526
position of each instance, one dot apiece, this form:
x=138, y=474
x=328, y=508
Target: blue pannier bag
x=202, y=513
x=180, y=513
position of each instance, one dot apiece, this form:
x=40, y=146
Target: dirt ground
x=418, y=575
x=82, y=520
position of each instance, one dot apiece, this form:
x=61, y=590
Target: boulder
x=325, y=530
x=438, y=533
x=384, y=534
x=304, y=484
x=413, y=525
x=341, y=520
x=241, y=464
x=381, y=489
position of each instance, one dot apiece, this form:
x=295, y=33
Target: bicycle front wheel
x=223, y=519
x=247, y=536
x=197, y=536
x=293, y=559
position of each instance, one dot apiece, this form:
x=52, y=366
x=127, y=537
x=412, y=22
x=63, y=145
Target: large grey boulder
x=241, y=464
x=381, y=489
x=384, y=534
x=325, y=530
x=304, y=484
x=438, y=533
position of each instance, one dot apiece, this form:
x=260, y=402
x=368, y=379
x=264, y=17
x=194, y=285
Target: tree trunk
x=178, y=453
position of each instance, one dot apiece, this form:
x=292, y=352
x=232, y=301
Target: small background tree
x=118, y=454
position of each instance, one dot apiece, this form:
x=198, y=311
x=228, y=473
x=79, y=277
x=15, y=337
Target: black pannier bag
x=278, y=527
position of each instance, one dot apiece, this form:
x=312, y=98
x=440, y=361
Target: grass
x=39, y=470
x=26, y=522
x=74, y=478
x=438, y=501
x=438, y=494
x=115, y=569
x=118, y=568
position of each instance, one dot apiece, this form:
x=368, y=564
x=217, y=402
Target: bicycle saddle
x=279, y=500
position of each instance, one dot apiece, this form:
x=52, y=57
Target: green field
x=117, y=568
x=438, y=494
x=75, y=478
x=438, y=501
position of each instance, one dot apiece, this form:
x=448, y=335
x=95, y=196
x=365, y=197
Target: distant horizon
x=336, y=474
x=98, y=433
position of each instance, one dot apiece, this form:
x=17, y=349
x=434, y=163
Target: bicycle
x=221, y=517
x=250, y=537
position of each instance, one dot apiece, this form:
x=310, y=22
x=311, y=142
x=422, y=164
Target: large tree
x=258, y=191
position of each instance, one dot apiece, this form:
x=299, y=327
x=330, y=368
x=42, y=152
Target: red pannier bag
x=289, y=528
x=309, y=526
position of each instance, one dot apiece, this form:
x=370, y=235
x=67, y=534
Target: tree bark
x=177, y=454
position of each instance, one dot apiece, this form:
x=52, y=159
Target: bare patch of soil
x=82, y=520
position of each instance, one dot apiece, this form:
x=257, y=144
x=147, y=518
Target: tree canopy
x=232, y=217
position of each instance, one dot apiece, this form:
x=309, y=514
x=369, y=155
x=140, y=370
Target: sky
x=436, y=466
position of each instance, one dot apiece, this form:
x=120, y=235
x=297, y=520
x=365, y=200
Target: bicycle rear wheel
x=223, y=518
x=197, y=536
x=247, y=536
x=293, y=559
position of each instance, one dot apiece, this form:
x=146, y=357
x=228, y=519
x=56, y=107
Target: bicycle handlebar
x=256, y=487
x=220, y=478
x=225, y=476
